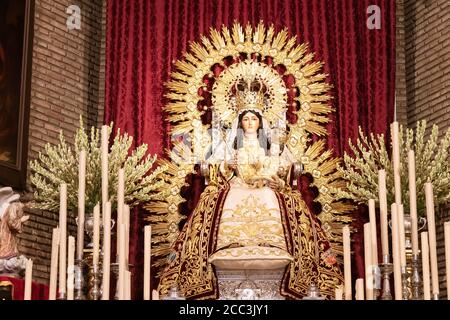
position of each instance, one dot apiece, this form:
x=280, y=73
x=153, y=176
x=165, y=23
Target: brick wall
x=427, y=52
x=427, y=61
x=67, y=81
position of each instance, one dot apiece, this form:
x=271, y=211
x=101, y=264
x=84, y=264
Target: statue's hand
x=232, y=164
x=276, y=183
x=273, y=184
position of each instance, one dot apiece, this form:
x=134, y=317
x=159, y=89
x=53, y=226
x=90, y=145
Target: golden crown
x=249, y=94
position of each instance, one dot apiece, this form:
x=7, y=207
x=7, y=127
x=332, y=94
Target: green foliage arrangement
x=59, y=164
x=370, y=155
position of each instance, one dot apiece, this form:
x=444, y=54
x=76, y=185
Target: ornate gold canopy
x=202, y=85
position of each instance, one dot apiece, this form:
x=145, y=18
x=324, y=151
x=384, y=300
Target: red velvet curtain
x=144, y=38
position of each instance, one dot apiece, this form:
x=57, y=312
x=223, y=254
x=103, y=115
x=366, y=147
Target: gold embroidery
x=304, y=240
x=189, y=269
x=307, y=242
x=251, y=222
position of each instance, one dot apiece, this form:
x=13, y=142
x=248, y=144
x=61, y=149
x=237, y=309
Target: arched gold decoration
x=202, y=83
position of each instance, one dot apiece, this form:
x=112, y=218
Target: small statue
x=11, y=224
x=255, y=220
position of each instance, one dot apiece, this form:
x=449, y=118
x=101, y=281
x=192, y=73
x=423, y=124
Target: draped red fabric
x=144, y=38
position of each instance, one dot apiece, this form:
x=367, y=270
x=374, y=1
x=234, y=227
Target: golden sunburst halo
x=203, y=77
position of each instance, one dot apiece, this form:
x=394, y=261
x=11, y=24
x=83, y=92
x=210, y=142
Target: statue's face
x=250, y=123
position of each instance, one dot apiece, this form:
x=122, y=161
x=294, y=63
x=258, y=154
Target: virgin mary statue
x=252, y=218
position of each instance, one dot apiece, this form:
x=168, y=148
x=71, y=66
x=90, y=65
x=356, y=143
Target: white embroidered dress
x=250, y=234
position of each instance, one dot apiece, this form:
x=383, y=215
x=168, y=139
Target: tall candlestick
x=62, y=239
x=106, y=251
x=28, y=279
x=373, y=232
x=396, y=253
x=401, y=232
x=359, y=286
x=425, y=266
x=383, y=212
x=368, y=260
x=71, y=267
x=81, y=203
x=347, y=263
x=147, y=261
x=96, y=235
x=432, y=237
x=122, y=263
x=105, y=176
x=126, y=221
x=54, y=264
x=128, y=285
x=120, y=202
x=396, y=160
x=413, y=202
x=447, y=255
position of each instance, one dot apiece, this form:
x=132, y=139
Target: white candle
x=447, y=255
x=81, y=203
x=105, y=176
x=396, y=253
x=128, y=285
x=359, y=286
x=425, y=266
x=401, y=232
x=54, y=264
x=96, y=235
x=126, y=221
x=338, y=293
x=147, y=261
x=62, y=239
x=413, y=202
x=155, y=294
x=70, y=267
x=432, y=237
x=383, y=212
x=373, y=232
x=106, y=250
x=120, y=202
x=122, y=263
x=396, y=162
x=368, y=260
x=347, y=263
x=28, y=279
